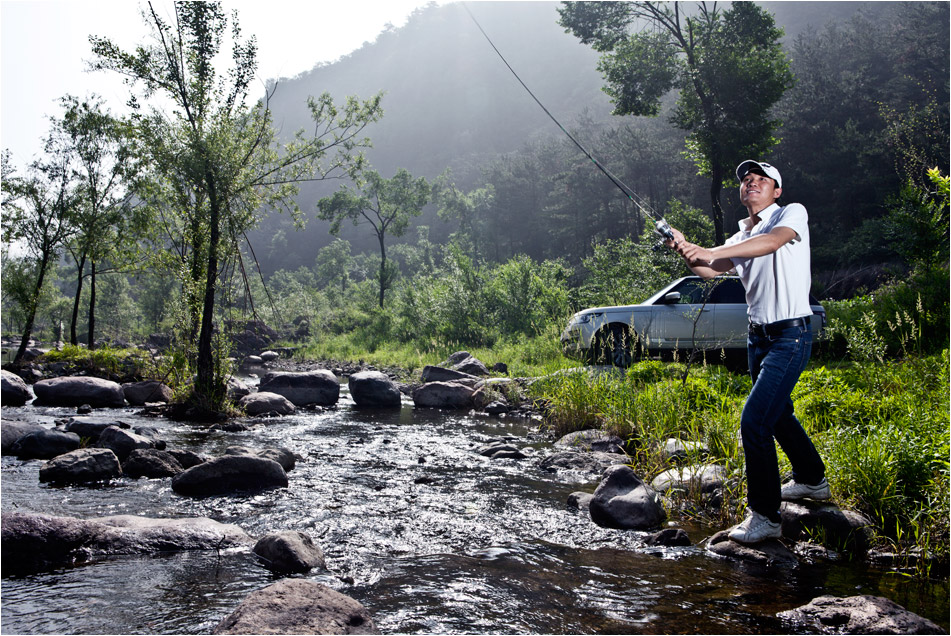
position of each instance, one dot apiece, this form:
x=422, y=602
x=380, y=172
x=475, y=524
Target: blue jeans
x=776, y=362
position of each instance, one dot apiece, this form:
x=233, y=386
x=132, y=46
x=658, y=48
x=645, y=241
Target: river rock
x=122, y=441
x=82, y=466
x=592, y=440
x=501, y=450
x=283, y=456
x=497, y=407
x=676, y=450
x=236, y=389
x=11, y=431
x=13, y=390
x=231, y=473
x=593, y=463
x=857, y=615
x=670, y=538
x=297, y=606
x=704, y=479
x=76, y=391
x=374, y=389
x=140, y=393
x=580, y=500
x=845, y=530
x=91, y=428
x=441, y=374
x=45, y=444
x=623, y=501
x=266, y=403
x=289, y=552
x=318, y=387
x=443, y=395
x=269, y=356
x=771, y=551
x=471, y=366
x=151, y=463
x=186, y=458
x=31, y=541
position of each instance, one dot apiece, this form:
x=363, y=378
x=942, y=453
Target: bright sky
x=45, y=46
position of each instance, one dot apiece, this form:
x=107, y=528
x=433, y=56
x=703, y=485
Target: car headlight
x=582, y=319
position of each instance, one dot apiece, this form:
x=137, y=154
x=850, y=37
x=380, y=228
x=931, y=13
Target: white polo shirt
x=777, y=285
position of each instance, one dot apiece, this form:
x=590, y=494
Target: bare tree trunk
x=91, y=337
x=31, y=318
x=205, y=385
x=81, y=266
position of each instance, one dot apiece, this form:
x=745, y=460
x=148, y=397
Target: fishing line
x=662, y=228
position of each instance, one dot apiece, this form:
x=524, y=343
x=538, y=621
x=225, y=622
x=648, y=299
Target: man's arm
x=708, y=263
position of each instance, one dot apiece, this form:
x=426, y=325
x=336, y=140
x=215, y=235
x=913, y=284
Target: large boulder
x=283, y=456
x=266, y=403
x=123, y=441
x=231, y=473
x=91, y=428
x=472, y=366
x=844, y=530
x=318, y=387
x=13, y=390
x=141, y=393
x=443, y=395
x=31, y=541
x=82, y=466
x=289, y=552
x=45, y=444
x=76, y=391
x=623, y=500
x=151, y=463
x=374, y=389
x=441, y=374
x=297, y=606
x=702, y=479
x=857, y=615
x=11, y=431
x=581, y=463
x=768, y=552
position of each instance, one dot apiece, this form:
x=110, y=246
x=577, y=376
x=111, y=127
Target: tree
x=37, y=215
x=333, y=263
x=103, y=160
x=217, y=157
x=386, y=205
x=728, y=66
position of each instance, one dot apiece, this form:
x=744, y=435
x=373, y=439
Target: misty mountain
x=450, y=102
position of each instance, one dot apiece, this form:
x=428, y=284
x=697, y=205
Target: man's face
x=758, y=191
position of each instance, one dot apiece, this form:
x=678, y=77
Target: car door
x=685, y=322
x=728, y=300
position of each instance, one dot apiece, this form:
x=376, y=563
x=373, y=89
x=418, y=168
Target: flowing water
x=426, y=533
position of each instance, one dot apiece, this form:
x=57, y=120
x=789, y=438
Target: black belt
x=776, y=328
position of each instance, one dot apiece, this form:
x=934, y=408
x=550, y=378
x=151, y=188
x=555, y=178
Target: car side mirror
x=672, y=298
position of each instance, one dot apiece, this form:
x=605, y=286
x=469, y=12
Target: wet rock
x=591, y=440
x=318, y=387
x=45, y=444
x=670, y=537
x=440, y=374
x=269, y=356
x=283, y=456
x=498, y=407
x=32, y=541
x=13, y=390
x=91, y=428
x=374, y=389
x=236, y=389
x=297, y=606
x=76, y=391
x=265, y=402
x=704, y=479
x=443, y=395
x=289, y=552
x=186, y=458
x=151, y=463
x=140, y=393
x=593, y=463
x=676, y=450
x=82, y=466
x=501, y=450
x=228, y=474
x=11, y=431
x=580, y=500
x=857, y=615
x=122, y=442
x=765, y=553
x=844, y=530
x=623, y=500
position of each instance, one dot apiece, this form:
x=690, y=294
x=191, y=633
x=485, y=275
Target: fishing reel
x=662, y=229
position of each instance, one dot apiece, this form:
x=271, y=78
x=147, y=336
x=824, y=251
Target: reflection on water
x=429, y=535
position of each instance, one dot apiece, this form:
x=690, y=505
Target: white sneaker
x=794, y=491
x=756, y=528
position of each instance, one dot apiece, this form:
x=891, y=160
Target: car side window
x=691, y=292
x=728, y=290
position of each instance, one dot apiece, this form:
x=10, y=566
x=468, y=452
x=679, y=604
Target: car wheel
x=616, y=347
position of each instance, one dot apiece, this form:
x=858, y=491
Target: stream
x=426, y=533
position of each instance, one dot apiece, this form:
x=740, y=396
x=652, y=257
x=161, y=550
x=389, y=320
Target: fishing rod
x=661, y=227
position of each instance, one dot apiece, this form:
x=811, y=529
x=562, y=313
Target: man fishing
x=770, y=253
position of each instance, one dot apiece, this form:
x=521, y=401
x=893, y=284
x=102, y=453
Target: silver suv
x=688, y=315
